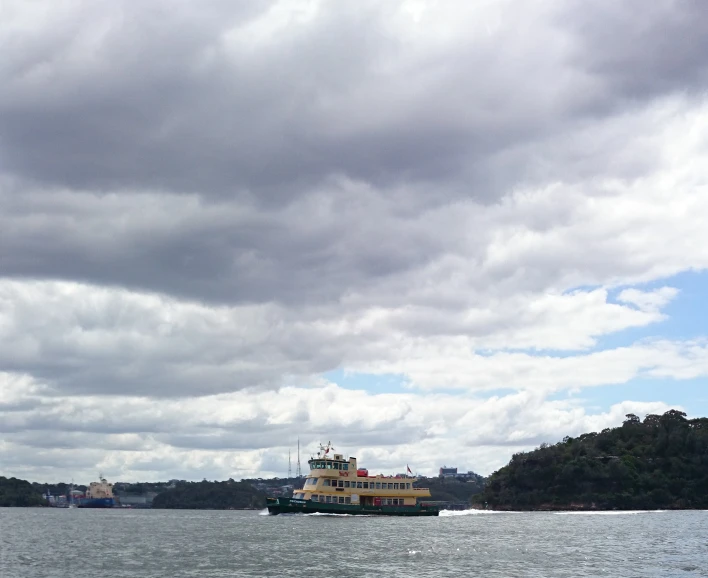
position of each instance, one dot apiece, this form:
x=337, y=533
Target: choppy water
x=43, y=543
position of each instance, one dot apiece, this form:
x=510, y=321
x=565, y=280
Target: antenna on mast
x=299, y=472
x=290, y=469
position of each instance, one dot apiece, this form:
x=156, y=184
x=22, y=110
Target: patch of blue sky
x=690, y=394
x=686, y=315
x=373, y=383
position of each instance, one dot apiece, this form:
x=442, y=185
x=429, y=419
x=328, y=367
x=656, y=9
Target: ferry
x=98, y=495
x=336, y=485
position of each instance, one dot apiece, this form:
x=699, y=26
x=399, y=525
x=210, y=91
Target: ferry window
x=347, y=500
x=313, y=497
x=335, y=466
x=328, y=499
x=378, y=485
x=341, y=484
x=345, y=466
x=359, y=485
x=366, y=485
x=326, y=482
x=341, y=499
x=395, y=486
x=408, y=486
x=346, y=484
x=390, y=486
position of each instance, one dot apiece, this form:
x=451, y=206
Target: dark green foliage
x=661, y=462
x=59, y=489
x=211, y=496
x=14, y=492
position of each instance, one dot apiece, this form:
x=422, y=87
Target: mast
x=290, y=470
x=299, y=472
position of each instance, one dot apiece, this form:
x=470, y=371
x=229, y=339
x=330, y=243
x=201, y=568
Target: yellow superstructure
x=98, y=490
x=336, y=480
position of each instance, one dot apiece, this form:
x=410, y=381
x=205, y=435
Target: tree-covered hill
x=14, y=492
x=211, y=496
x=661, y=462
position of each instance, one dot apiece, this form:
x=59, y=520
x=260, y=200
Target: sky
x=430, y=232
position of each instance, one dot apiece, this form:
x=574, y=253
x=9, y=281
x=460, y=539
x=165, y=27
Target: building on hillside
x=467, y=476
x=446, y=472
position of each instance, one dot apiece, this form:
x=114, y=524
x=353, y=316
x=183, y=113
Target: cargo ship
x=98, y=495
x=336, y=485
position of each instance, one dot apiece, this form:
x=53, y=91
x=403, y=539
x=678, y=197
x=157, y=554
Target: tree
x=631, y=420
x=661, y=462
x=16, y=492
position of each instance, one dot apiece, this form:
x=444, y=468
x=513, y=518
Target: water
x=54, y=543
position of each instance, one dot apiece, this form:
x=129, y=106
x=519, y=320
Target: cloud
x=453, y=365
x=232, y=435
x=273, y=97
x=206, y=208
x=93, y=340
x=648, y=300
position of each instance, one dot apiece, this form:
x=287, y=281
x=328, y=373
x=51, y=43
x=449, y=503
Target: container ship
x=98, y=495
x=336, y=485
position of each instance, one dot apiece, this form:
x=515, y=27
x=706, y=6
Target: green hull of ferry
x=291, y=506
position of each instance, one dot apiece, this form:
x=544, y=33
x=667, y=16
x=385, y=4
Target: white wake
x=473, y=512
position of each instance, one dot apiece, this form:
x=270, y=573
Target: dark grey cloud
x=321, y=151
x=148, y=96
x=639, y=50
x=310, y=251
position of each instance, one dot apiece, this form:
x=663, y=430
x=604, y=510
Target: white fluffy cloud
x=250, y=433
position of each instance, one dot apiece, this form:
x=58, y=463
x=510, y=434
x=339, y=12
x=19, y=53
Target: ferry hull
x=291, y=506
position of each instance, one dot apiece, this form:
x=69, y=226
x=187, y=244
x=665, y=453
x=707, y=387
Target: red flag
x=409, y=470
